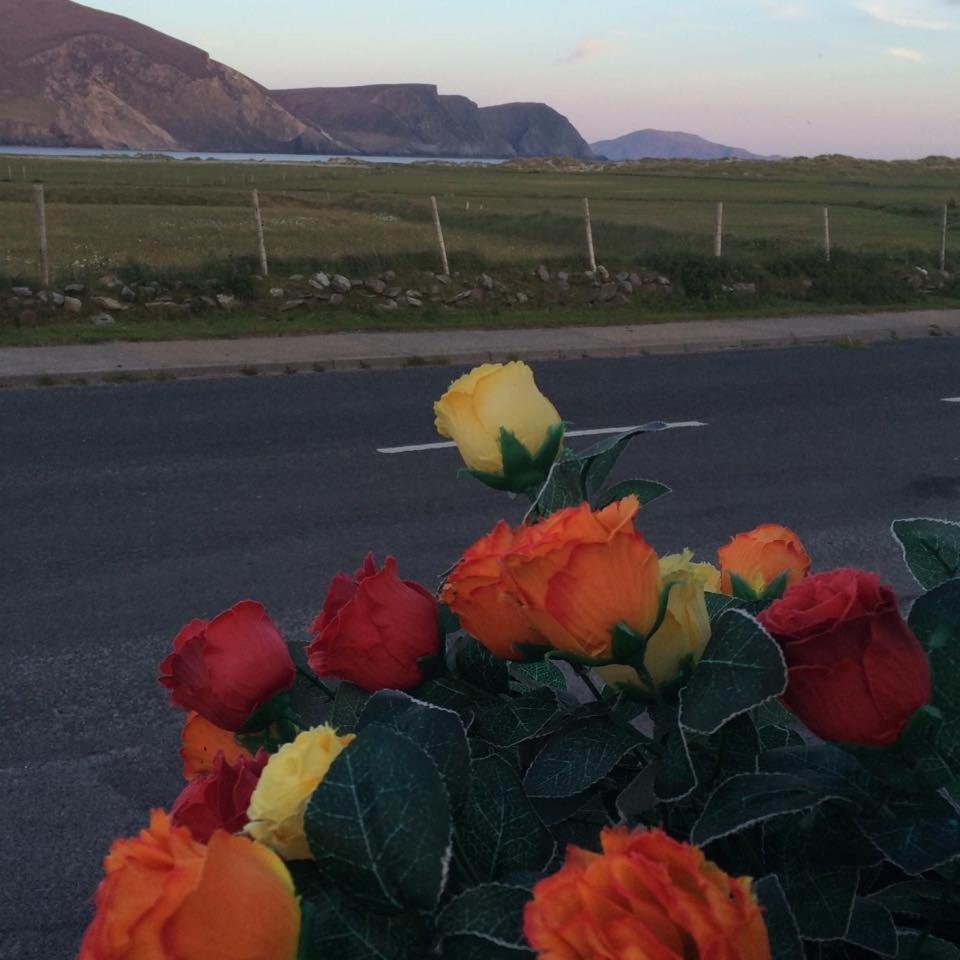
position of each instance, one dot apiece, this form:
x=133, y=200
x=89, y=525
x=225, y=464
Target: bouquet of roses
x=577, y=749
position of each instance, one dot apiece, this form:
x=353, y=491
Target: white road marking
x=423, y=447
x=951, y=399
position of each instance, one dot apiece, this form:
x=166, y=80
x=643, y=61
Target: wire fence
x=61, y=230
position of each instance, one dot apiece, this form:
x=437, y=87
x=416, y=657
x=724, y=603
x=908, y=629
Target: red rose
x=373, y=629
x=228, y=667
x=219, y=800
x=856, y=672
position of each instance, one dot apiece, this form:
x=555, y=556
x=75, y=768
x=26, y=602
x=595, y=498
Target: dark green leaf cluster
x=430, y=831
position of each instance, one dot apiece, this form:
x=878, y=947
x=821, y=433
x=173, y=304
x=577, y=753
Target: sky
x=875, y=78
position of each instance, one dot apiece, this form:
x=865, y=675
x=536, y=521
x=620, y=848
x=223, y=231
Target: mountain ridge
x=71, y=75
x=668, y=145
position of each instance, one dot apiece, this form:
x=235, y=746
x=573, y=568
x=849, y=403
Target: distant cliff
x=74, y=76
x=415, y=119
x=667, y=145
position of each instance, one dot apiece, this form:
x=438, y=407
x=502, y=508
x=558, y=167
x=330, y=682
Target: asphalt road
x=126, y=511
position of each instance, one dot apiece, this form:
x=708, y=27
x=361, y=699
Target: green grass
x=190, y=224
x=179, y=216
x=251, y=323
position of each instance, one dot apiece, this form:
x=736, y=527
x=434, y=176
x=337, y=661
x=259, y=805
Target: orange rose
x=579, y=573
x=476, y=591
x=762, y=555
x=166, y=895
x=201, y=741
x=646, y=896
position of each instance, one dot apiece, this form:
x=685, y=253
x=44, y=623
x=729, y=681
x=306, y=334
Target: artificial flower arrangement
x=579, y=749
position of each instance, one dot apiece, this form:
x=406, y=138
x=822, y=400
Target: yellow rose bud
x=490, y=401
x=280, y=799
x=685, y=630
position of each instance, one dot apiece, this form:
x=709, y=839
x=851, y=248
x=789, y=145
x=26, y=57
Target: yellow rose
x=507, y=431
x=280, y=798
x=685, y=630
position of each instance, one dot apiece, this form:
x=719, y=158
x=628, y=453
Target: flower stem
x=584, y=673
x=319, y=684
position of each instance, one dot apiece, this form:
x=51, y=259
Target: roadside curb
x=129, y=362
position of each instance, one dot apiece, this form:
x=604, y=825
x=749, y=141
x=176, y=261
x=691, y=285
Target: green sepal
x=741, y=590
x=776, y=588
x=270, y=726
x=433, y=666
x=523, y=472
x=916, y=761
x=627, y=647
x=268, y=713
x=272, y=738
x=307, y=949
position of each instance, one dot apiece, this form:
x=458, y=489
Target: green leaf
x=638, y=797
x=675, y=776
x=646, y=491
x=918, y=946
x=742, y=667
x=498, y=832
x=509, y=722
x=773, y=737
x=454, y=695
x=348, y=704
x=379, y=824
x=542, y=674
x=935, y=619
x=871, y=927
x=437, y=731
x=562, y=489
x=478, y=666
x=349, y=930
x=738, y=747
x=574, y=760
x=752, y=798
x=821, y=895
x=491, y=915
x=719, y=603
x=599, y=460
x=931, y=549
x=914, y=898
x=917, y=833
x=475, y=948
x=829, y=770
x=785, y=943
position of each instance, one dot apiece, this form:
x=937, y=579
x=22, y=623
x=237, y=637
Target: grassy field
x=184, y=231
x=185, y=215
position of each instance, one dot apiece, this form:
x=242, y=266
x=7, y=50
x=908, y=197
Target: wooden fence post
x=261, y=243
x=440, y=241
x=42, y=219
x=588, y=221
x=943, y=240
x=718, y=238
x=827, y=245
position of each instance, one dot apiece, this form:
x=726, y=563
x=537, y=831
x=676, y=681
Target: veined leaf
x=437, y=731
x=498, y=832
x=741, y=668
x=751, y=798
x=574, y=760
x=349, y=930
x=379, y=824
x=931, y=549
x=492, y=916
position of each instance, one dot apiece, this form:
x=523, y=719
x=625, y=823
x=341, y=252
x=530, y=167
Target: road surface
x=128, y=510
